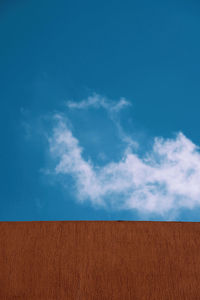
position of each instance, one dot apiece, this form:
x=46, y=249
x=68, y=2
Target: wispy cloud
x=112, y=107
x=162, y=181
x=98, y=101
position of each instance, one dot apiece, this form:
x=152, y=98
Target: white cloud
x=164, y=180
x=113, y=108
x=97, y=101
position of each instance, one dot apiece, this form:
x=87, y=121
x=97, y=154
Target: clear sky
x=99, y=115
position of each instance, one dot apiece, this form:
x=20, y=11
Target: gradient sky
x=65, y=67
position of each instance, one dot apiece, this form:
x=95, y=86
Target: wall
x=99, y=260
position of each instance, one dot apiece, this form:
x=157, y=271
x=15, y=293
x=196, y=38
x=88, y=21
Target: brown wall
x=99, y=260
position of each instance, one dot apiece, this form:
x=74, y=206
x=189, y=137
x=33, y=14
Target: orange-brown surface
x=99, y=260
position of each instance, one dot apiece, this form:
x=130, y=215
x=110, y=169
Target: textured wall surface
x=99, y=260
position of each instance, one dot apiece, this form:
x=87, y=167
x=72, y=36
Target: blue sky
x=120, y=80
